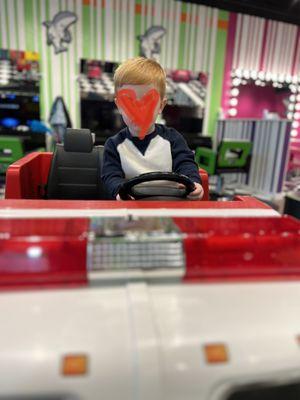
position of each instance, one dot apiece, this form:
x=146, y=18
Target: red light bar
x=36, y=252
x=241, y=248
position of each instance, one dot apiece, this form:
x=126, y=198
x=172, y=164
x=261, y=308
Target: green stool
x=234, y=155
x=11, y=150
x=206, y=159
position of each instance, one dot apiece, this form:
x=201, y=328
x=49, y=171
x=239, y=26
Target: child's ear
x=116, y=102
x=163, y=104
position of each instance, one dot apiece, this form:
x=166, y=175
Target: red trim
x=241, y=249
x=56, y=256
x=239, y=203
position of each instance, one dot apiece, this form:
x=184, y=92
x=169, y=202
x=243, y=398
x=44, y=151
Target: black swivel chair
x=75, y=172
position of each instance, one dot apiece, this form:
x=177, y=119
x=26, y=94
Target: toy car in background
x=145, y=299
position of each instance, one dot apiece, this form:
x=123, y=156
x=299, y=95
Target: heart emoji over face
x=139, y=112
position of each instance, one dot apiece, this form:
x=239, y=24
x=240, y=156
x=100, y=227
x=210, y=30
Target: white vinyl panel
x=273, y=46
x=98, y=29
x=238, y=36
x=64, y=56
x=117, y=38
x=292, y=48
x=243, y=45
x=254, y=44
x=282, y=60
x=36, y=26
x=143, y=27
x=124, y=28
x=265, y=55
x=254, y=160
x=297, y=56
x=44, y=58
x=21, y=20
x=269, y=46
x=264, y=158
x=167, y=39
x=11, y=26
x=187, y=35
x=91, y=29
x=108, y=30
x=192, y=38
x=259, y=135
x=270, y=156
x=176, y=34
x=206, y=38
x=211, y=61
x=78, y=27
x=259, y=43
x=149, y=14
x=3, y=27
x=249, y=43
x=285, y=132
x=278, y=166
x=171, y=28
x=201, y=11
x=55, y=58
x=72, y=72
x=131, y=29
x=164, y=42
x=158, y=12
x=281, y=37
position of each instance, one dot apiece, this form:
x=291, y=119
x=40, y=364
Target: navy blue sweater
x=163, y=150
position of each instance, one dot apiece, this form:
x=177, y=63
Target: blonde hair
x=141, y=71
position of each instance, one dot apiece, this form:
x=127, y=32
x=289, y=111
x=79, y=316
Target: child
x=144, y=146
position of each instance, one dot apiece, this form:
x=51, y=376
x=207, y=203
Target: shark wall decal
x=150, y=42
x=58, y=30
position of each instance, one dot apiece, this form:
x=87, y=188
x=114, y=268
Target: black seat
x=75, y=172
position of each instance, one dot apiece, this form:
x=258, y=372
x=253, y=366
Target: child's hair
x=141, y=71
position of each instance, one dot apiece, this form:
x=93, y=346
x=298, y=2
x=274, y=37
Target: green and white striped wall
x=108, y=30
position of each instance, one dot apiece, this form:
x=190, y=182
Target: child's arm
x=183, y=158
x=112, y=172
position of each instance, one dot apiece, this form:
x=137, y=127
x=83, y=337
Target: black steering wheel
x=139, y=189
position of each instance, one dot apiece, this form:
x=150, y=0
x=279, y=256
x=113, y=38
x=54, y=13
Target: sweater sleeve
x=112, y=172
x=183, y=158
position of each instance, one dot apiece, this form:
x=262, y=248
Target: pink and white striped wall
x=260, y=45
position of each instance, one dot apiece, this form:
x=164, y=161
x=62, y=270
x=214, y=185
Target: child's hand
x=197, y=194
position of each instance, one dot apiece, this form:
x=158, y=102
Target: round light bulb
x=290, y=115
x=233, y=102
x=238, y=73
x=292, y=98
x=291, y=107
x=234, y=92
x=297, y=106
x=288, y=78
x=236, y=82
x=295, y=124
x=268, y=76
x=261, y=75
x=253, y=74
x=294, y=132
x=298, y=97
x=246, y=74
x=232, y=112
x=296, y=115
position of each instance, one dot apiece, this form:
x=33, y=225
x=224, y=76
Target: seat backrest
x=75, y=172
